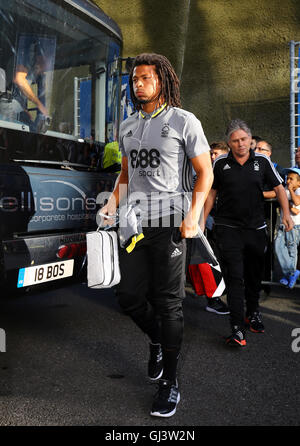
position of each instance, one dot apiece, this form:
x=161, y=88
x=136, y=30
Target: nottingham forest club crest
x=165, y=130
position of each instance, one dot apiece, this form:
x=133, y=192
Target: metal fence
x=294, y=99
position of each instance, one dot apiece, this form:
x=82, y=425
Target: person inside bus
x=29, y=71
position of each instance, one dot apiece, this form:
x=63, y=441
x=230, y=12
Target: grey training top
x=159, y=148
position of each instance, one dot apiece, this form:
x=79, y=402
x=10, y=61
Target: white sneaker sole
x=169, y=414
x=212, y=310
x=153, y=380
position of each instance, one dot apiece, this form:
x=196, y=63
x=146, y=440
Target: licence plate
x=45, y=273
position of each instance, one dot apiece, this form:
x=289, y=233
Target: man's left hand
x=189, y=228
x=288, y=223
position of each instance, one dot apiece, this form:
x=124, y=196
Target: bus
x=60, y=100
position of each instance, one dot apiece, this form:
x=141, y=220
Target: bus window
x=55, y=72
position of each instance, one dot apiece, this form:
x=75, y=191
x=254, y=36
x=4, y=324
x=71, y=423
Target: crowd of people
x=163, y=149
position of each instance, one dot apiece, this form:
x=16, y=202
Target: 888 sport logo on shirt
x=145, y=159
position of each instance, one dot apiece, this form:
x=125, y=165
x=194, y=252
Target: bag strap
x=207, y=245
x=107, y=228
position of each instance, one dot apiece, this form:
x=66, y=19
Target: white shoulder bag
x=103, y=270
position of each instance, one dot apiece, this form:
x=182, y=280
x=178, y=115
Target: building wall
x=232, y=57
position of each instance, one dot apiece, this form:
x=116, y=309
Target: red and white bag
x=204, y=270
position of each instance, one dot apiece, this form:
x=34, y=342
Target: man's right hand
x=110, y=211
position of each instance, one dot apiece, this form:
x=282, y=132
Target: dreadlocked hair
x=169, y=81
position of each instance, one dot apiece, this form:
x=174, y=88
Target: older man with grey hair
x=240, y=226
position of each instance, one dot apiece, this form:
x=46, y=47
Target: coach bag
x=103, y=269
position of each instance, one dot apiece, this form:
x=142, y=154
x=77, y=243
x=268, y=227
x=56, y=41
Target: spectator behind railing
x=218, y=148
x=287, y=243
x=254, y=141
x=265, y=148
x=297, y=158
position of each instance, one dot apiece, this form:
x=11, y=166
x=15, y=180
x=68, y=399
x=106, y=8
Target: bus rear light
x=62, y=251
x=71, y=250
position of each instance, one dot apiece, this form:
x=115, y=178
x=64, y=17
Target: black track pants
x=242, y=254
x=152, y=285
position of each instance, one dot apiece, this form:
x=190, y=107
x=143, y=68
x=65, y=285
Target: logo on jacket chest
x=165, y=130
x=145, y=158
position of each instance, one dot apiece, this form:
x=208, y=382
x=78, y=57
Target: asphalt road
x=73, y=359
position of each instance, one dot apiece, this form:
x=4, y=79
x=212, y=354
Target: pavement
x=73, y=359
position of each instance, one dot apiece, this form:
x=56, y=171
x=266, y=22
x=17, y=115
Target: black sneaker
x=155, y=364
x=215, y=305
x=254, y=322
x=237, y=338
x=166, y=399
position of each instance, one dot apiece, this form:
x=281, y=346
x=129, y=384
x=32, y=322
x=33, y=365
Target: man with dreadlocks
x=160, y=145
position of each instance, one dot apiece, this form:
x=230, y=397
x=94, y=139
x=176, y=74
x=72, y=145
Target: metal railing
x=294, y=98
x=272, y=270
